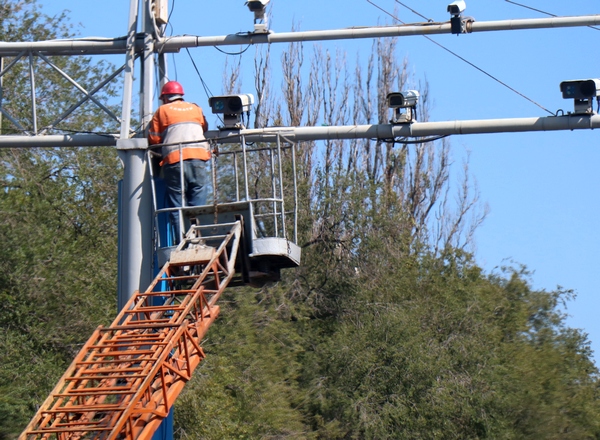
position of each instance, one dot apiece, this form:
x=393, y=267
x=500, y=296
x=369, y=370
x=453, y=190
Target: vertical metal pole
x=124, y=267
x=245, y=168
x=135, y=201
x=155, y=225
x=1, y=90
x=280, y=164
x=165, y=431
x=148, y=67
x=152, y=183
x=215, y=184
x=247, y=189
x=162, y=69
x=182, y=194
x=146, y=215
x=237, y=176
x=129, y=62
x=135, y=220
x=32, y=82
x=295, y=192
x=274, y=192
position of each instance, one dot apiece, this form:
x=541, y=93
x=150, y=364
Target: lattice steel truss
x=125, y=379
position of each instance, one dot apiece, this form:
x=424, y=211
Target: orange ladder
x=125, y=379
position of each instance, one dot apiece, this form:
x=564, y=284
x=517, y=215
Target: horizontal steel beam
x=302, y=134
x=414, y=130
x=175, y=43
x=67, y=140
x=533, y=23
x=81, y=46
x=108, y=46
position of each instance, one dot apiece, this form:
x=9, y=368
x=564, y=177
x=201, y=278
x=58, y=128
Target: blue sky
x=542, y=188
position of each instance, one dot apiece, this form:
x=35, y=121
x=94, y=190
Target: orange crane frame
x=126, y=377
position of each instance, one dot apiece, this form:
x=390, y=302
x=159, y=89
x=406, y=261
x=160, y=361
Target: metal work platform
x=256, y=185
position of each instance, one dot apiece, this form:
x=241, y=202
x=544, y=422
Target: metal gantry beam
x=173, y=44
x=58, y=140
x=380, y=131
x=111, y=46
x=416, y=129
x=377, y=131
x=146, y=42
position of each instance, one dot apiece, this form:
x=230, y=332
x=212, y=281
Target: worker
x=177, y=124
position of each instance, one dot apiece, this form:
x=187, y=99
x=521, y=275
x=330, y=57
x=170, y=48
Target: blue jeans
x=194, y=187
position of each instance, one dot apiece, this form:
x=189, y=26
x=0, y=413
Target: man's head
x=171, y=91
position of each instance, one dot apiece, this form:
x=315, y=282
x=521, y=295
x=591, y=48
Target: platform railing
x=263, y=176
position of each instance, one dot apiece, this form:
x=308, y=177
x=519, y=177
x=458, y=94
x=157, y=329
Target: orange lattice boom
x=125, y=379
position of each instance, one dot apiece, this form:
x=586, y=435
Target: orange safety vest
x=176, y=122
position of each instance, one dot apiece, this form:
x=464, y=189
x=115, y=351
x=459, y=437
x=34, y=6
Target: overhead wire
x=530, y=8
x=414, y=141
x=414, y=12
x=159, y=32
x=232, y=53
x=172, y=30
x=204, y=85
x=541, y=12
x=465, y=60
x=171, y=11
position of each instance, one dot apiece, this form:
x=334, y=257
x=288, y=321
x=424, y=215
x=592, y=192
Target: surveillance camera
x=580, y=88
x=260, y=21
x=257, y=5
x=231, y=104
x=409, y=98
x=456, y=21
x=582, y=92
x=232, y=107
x=457, y=7
x=407, y=101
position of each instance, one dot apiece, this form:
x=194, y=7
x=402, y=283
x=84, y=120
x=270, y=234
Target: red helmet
x=171, y=88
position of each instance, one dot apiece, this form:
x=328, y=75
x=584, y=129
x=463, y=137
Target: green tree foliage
x=247, y=386
x=432, y=348
x=57, y=224
x=58, y=265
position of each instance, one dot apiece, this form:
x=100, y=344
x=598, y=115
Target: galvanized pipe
x=33, y=97
x=129, y=70
x=303, y=134
x=67, y=140
x=416, y=129
x=173, y=44
x=98, y=46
